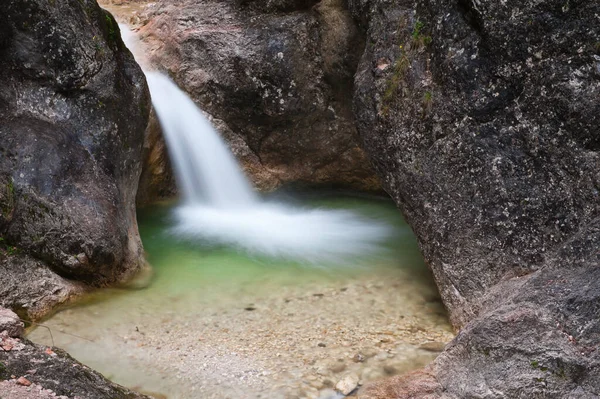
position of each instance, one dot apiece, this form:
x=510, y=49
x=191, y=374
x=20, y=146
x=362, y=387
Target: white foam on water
x=219, y=205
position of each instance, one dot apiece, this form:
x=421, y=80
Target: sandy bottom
x=215, y=323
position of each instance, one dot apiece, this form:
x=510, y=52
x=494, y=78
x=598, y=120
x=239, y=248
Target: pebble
x=347, y=384
x=433, y=346
x=23, y=381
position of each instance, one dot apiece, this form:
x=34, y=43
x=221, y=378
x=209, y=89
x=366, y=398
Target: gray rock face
x=278, y=75
x=73, y=110
x=54, y=369
x=482, y=121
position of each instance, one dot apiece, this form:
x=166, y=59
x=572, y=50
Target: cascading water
x=205, y=169
x=220, y=207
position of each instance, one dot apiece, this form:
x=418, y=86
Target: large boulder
x=482, y=121
x=73, y=109
x=277, y=75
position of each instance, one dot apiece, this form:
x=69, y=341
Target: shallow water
x=218, y=322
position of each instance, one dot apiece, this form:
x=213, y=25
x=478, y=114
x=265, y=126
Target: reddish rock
x=23, y=381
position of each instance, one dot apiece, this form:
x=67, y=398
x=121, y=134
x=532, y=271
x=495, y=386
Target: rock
x=347, y=384
x=433, y=346
x=358, y=358
x=502, y=182
x=9, y=322
x=157, y=181
x=73, y=110
x=484, y=130
x=23, y=381
x=61, y=373
x=277, y=76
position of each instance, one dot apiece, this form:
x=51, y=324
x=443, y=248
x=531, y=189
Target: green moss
x=399, y=73
x=112, y=33
x=534, y=364
x=3, y=372
x=427, y=98
x=111, y=29
x=418, y=38
x=8, y=249
x=560, y=373
x=417, y=28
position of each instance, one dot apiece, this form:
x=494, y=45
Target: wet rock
x=278, y=77
x=157, y=181
x=433, y=346
x=347, y=384
x=9, y=322
x=73, y=109
x=62, y=374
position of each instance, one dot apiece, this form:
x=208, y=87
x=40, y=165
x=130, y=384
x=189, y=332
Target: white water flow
x=220, y=207
x=205, y=169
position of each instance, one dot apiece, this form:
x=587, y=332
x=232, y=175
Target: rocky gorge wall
x=73, y=110
x=276, y=79
x=491, y=110
x=480, y=118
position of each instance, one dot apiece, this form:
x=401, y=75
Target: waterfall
x=206, y=171
x=220, y=207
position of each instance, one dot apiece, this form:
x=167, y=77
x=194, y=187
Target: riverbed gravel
x=289, y=342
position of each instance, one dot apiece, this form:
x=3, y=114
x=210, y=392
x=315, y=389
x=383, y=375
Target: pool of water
x=219, y=322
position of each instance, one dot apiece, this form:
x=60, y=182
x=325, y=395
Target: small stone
x=321, y=345
x=347, y=384
x=433, y=346
x=23, y=381
x=359, y=358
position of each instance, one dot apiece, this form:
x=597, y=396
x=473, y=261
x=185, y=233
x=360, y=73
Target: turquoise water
x=182, y=266
x=141, y=337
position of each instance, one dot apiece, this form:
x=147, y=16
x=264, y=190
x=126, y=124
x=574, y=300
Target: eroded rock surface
x=30, y=371
x=278, y=75
x=482, y=121
x=73, y=110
